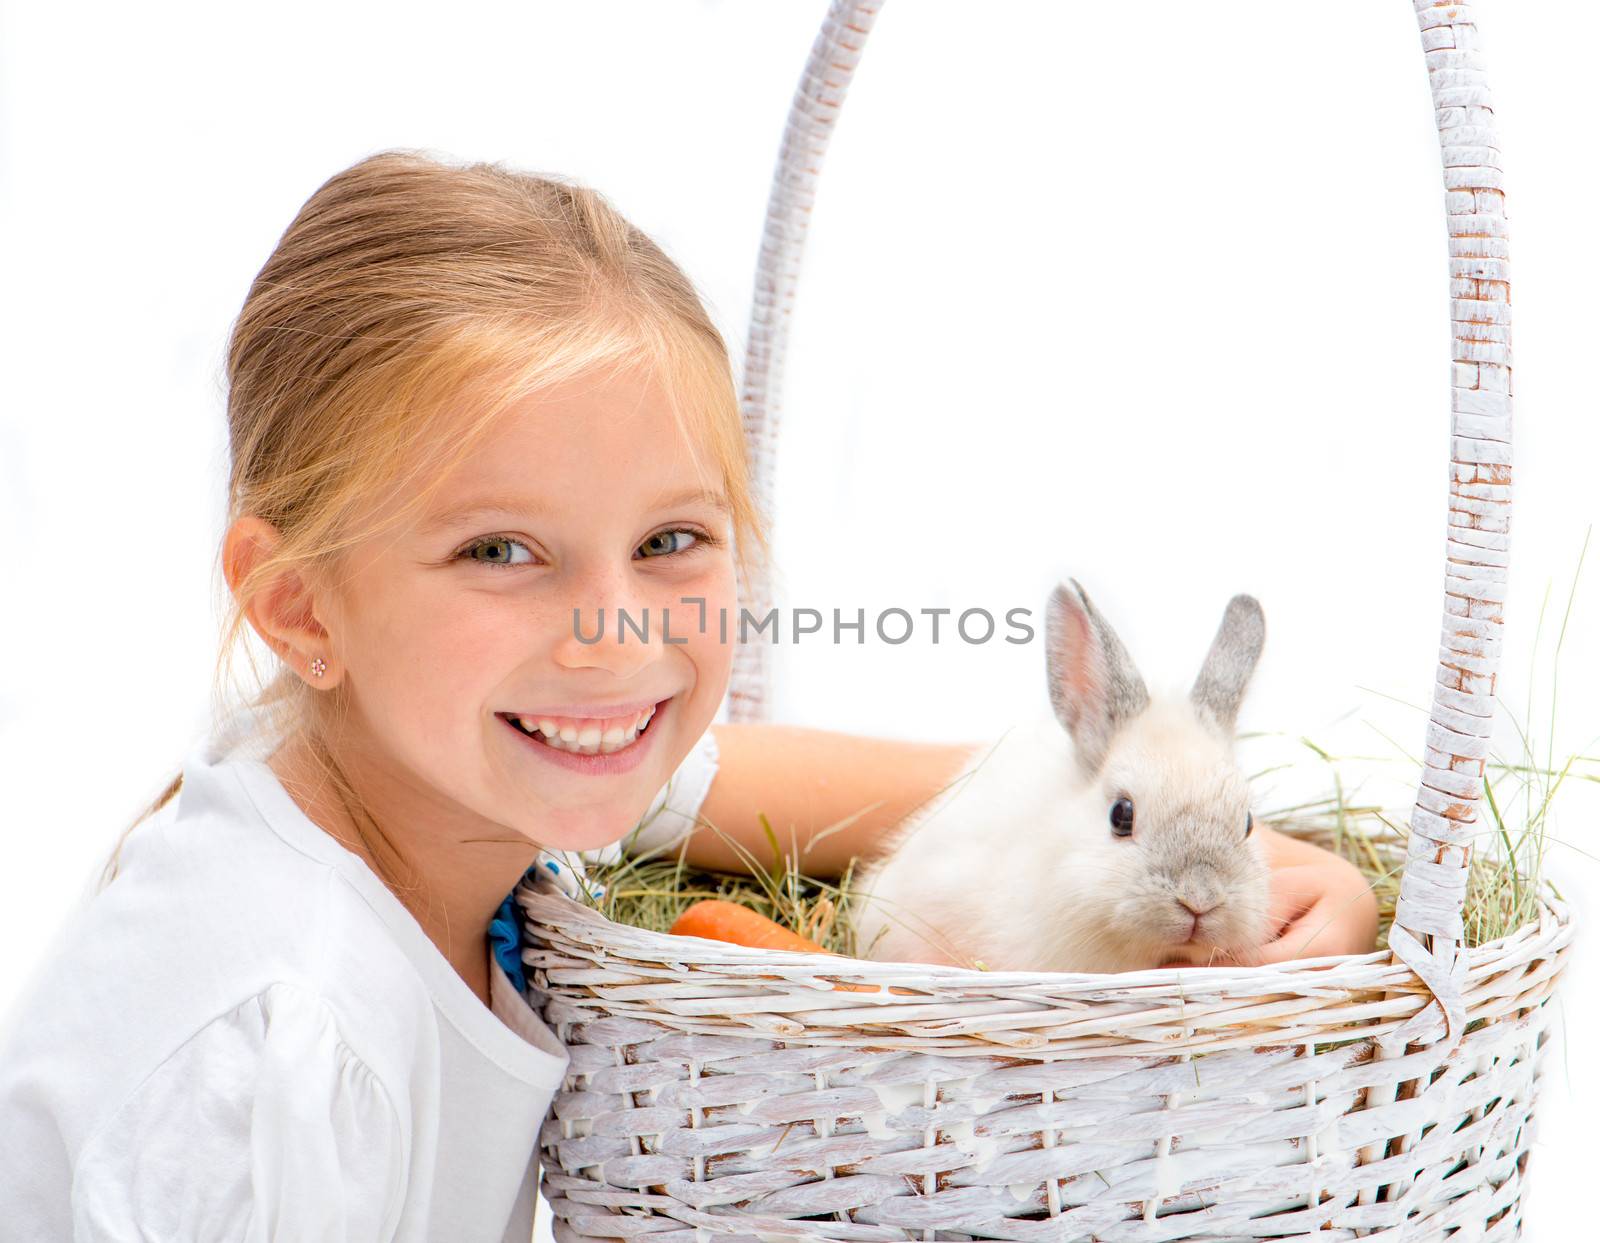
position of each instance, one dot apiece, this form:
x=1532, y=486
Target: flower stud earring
x=318, y=666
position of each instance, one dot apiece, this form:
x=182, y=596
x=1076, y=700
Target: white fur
x=1015, y=866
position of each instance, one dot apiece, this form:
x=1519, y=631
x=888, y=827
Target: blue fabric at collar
x=505, y=936
x=505, y=929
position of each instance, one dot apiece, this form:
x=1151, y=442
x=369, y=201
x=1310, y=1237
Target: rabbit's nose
x=1198, y=914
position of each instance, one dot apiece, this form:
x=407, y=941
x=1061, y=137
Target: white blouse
x=246, y=1036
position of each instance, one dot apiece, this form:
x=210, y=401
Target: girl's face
x=458, y=636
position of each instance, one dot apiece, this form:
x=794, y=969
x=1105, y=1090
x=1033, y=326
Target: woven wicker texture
x=716, y=1091
x=735, y=1090
x=816, y=105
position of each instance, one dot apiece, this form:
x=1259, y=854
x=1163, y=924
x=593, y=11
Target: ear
x=283, y=611
x=1228, y=665
x=1094, y=687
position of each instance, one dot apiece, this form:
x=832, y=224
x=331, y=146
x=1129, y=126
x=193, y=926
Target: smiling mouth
x=583, y=739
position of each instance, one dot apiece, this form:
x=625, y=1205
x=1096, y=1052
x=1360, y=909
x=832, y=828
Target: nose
x=606, y=624
x=1198, y=912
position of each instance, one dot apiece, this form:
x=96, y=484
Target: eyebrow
x=535, y=506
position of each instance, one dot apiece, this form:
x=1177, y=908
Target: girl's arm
x=806, y=780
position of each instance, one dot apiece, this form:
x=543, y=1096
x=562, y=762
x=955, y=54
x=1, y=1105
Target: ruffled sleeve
x=263, y=1126
x=672, y=814
x=676, y=809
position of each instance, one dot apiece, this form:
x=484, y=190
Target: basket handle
x=817, y=100
x=1428, y=932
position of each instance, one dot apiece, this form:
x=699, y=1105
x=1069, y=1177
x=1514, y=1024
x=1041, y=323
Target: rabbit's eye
x=1249, y=823
x=1122, y=818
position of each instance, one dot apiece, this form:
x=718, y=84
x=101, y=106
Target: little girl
x=473, y=414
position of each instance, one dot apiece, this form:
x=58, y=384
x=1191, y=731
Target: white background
x=1161, y=306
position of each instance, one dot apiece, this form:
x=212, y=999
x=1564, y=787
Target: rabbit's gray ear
x=1094, y=687
x=1228, y=665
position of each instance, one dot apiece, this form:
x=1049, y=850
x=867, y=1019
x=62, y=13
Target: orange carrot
x=717, y=920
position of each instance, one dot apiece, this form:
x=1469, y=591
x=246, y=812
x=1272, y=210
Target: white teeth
x=587, y=739
x=591, y=742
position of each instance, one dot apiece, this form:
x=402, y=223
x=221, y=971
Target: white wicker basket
x=721, y=1091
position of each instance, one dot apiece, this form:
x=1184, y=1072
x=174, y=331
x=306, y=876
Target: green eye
x=665, y=543
x=502, y=551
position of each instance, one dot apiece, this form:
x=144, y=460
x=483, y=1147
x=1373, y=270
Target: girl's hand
x=1320, y=907
x=1320, y=904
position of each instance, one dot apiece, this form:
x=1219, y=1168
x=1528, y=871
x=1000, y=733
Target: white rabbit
x=1113, y=836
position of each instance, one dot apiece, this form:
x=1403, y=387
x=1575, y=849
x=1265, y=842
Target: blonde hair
x=407, y=287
